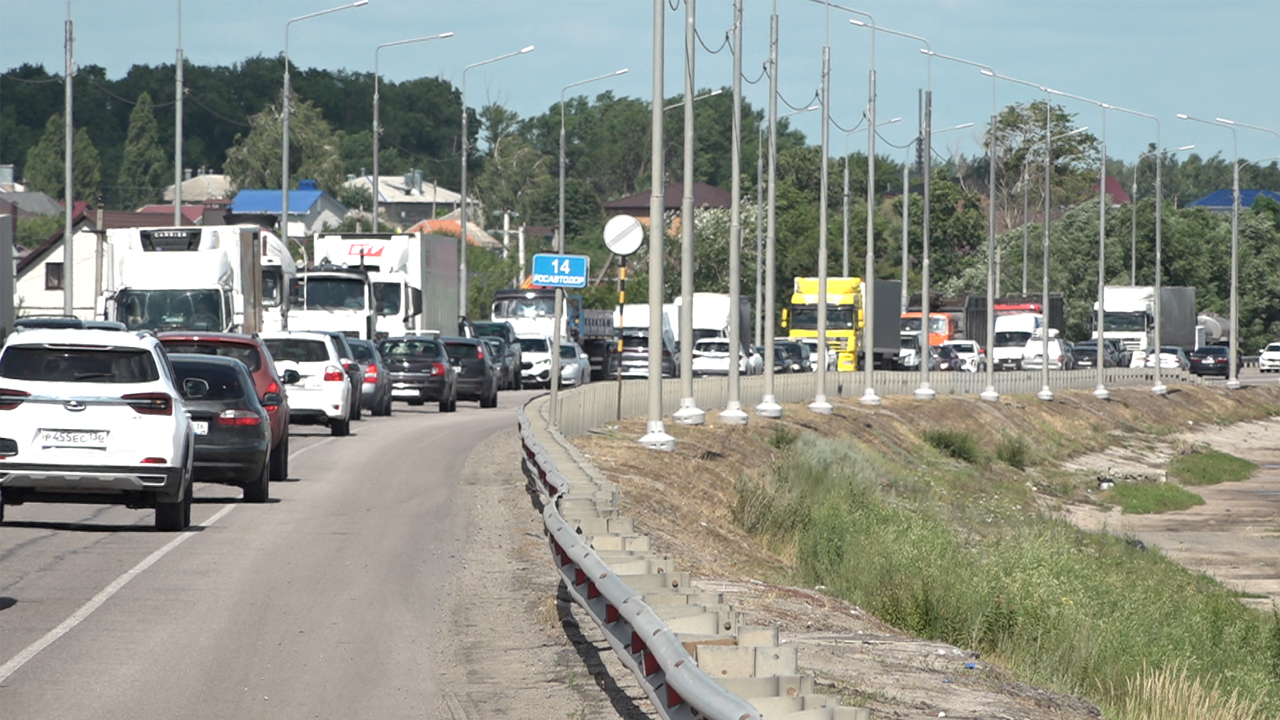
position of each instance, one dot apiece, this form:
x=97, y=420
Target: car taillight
x=333, y=374
x=153, y=461
x=274, y=387
x=352, y=367
x=371, y=374
x=239, y=417
x=10, y=399
x=150, y=403
x=437, y=369
x=479, y=353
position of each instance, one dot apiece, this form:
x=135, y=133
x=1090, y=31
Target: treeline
x=125, y=131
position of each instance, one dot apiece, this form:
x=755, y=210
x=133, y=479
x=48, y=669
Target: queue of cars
x=93, y=413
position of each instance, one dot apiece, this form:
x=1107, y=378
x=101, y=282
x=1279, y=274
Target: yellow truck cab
x=844, y=316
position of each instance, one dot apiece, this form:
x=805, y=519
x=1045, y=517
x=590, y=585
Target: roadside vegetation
x=945, y=538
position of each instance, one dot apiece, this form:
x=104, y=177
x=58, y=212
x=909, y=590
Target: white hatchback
x=323, y=392
x=711, y=357
x=94, y=416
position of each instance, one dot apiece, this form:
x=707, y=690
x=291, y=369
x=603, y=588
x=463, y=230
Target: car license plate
x=403, y=392
x=201, y=427
x=73, y=438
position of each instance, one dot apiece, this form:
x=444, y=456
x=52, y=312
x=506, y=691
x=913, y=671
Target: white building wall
x=32, y=297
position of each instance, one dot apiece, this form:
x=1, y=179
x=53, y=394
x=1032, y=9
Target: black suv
x=512, y=361
x=477, y=374
x=420, y=371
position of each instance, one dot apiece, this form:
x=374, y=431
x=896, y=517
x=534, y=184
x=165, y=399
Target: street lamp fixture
x=376, y=185
x=680, y=104
x=462, y=250
x=284, y=116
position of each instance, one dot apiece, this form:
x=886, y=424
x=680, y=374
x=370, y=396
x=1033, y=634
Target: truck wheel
x=340, y=428
x=259, y=491
x=280, y=460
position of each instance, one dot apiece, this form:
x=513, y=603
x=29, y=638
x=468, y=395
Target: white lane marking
x=87, y=609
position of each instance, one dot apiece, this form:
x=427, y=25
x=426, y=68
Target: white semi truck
x=192, y=278
x=393, y=263
x=1129, y=312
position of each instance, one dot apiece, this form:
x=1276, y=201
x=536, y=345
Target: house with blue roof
x=311, y=209
x=1220, y=200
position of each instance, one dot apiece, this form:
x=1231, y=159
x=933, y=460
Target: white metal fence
x=595, y=404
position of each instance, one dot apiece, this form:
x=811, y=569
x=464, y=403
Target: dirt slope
x=683, y=500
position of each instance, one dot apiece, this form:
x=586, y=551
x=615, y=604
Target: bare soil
x=683, y=499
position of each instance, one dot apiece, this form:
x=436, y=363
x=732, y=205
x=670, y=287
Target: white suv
x=323, y=391
x=93, y=416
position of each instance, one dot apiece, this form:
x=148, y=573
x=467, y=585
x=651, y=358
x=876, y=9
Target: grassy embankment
x=935, y=523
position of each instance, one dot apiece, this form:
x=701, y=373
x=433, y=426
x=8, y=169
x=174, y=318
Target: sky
x=1204, y=58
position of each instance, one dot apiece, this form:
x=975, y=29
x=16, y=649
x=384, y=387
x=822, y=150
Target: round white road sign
x=623, y=234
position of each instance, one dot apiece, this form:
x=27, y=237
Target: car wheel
x=453, y=402
x=340, y=428
x=280, y=460
x=386, y=406
x=260, y=490
x=519, y=382
x=357, y=412
x=175, y=516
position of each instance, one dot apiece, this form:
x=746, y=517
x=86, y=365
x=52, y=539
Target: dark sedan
x=477, y=374
x=375, y=391
x=232, y=430
x=790, y=357
x=1211, y=360
x=420, y=371
x=250, y=350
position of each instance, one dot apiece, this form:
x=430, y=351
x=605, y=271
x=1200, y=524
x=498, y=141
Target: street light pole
x=1100, y=391
x=376, y=185
x=68, y=159
x=656, y=437
x=733, y=414
x=1233, y=382
x=769, y=406
x=466, y=150
x=284, y=117
x=554, y=380
x=689, y=413
x=177, y=127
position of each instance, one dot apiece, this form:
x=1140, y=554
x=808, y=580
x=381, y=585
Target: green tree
x=314, y=150
x=144, y=169
x=44, y=170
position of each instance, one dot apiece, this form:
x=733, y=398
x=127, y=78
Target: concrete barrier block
x=775, y=686
x=841, y=712
x=669, y=582
x=622, y=526
x=758, y=635
x=726, y=660
x=775, y=661
x=636, y=543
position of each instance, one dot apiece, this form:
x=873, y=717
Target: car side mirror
x=272, y=399
x=290, y=377
x=193, y=388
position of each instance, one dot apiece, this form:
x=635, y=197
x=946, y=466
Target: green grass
x=1205, y=466
x=958, y=445
x=953, y=554
x=1014, y=451
x=1148, y=498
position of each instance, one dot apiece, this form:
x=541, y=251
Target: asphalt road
x=316, y=605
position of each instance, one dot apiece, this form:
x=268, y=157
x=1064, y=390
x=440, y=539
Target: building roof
x=210, y=186
x=301, y=201
x=1115, y=191
x=190, y=213
x=32, y=203
x=704, y=195
x=85, y=216
x=453, y=228
x=1221, y=199
x=393, y=189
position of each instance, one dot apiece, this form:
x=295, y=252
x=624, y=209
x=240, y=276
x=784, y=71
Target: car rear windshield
x=635, y=342
x=361, y=352
x=224, y=382
x=716, y=347
x=62, y=364
x=409, y=348
x=536, y=345
x=246, y=354
x=298, y=350
x=462, y=351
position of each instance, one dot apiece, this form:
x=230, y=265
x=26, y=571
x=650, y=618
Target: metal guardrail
x=670, y=677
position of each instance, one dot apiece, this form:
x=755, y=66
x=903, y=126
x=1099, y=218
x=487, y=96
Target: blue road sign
x=562, y=271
